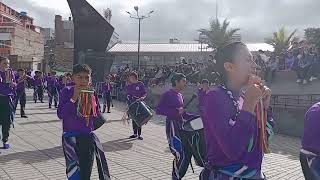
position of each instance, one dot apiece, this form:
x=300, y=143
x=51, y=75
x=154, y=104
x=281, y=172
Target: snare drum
x=140, y=113
x=193, y=124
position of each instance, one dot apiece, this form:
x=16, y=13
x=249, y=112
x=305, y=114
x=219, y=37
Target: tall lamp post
x=139, y=18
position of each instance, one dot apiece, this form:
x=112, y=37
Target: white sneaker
x=299, y=81
x=305, y=82
x=311, y=79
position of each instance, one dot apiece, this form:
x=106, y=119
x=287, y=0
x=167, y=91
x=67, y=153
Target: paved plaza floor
x=36, y=151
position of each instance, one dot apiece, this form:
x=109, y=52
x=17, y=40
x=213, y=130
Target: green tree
x=312, y=35
x=281, y=40
x=219, y=34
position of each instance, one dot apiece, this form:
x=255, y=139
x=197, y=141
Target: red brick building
x=20, y=39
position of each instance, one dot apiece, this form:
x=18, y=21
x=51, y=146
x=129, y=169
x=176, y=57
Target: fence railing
x=291, y=101
x=294, y=101
x=117, y=91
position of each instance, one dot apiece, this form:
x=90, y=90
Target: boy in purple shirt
x=7, y=93
x=202, y=92
x=52, y=87
x=38, y=87
x=79, y=142
x=21, y=80
x=234, y=150
x=310, y=151
x=107, y=89
x=135, y=92
x=180, y=141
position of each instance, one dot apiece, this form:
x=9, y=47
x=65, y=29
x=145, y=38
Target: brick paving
x=37, y=152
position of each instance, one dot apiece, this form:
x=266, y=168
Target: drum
x=140, y=113
x=193, y=124
x=193, y=130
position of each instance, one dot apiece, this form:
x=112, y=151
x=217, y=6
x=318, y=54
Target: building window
x=5, y=44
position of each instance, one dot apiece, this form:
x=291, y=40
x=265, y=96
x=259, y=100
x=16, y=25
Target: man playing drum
x=180, y=141
x=135, y=92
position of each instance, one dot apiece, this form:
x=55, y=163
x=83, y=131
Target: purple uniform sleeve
x=233, y=140
x=166, y=106
x=143, y=90
x=311, y=130
x=66, y=108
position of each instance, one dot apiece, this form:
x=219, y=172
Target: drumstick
x=190, y=101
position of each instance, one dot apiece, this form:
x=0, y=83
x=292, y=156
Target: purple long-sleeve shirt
x=21, y=86
x=169, y=105
x=5, y=88
x=107, y=88
x=227, y=144
x=136, y=91
x=201, y=96
x=51, y=82
x=38, y=81
x=310, y=141
x=67, y=111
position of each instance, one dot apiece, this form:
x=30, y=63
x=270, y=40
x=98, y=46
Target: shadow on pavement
x=118, y=145
x=39, y=122
x=29, y=157
x=52, y=112
x=287, y=146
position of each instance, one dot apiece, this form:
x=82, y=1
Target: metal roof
x=176, y=48
x=169, y=48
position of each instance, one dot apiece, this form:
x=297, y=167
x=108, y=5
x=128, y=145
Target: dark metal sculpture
x=92, y=34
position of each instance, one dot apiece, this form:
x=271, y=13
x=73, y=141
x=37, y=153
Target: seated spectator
x=304, y=64
x=272, y=67
x=289, y=60
x=314, y=68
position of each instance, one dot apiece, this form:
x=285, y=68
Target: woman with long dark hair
x=235, y=139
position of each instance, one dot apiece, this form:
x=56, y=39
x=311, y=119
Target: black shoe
x=42, y=102
x=140, y=138
x=50, y=107
x=108, y=112
x=24, y=116
x=133, y=136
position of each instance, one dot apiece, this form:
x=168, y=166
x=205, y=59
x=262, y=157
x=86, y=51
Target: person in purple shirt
x=65, y=81
x=21, y=80
x=135, y=92
x=38, y=87
x=107, y=89
x=79, y=142
x=310, y=151
x=180, y=142
x=234, y=150
x=7, y=94
x=202, y=92
x=52, y=87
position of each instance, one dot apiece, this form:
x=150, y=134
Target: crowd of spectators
x=159, y=75
x=302, y=58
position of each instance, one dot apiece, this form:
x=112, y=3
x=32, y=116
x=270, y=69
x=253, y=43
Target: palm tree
x=219, y=34
x=281, y=40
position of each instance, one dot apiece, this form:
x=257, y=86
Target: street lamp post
x=139, y=18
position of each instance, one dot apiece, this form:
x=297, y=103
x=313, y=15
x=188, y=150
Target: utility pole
x=139, y=18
